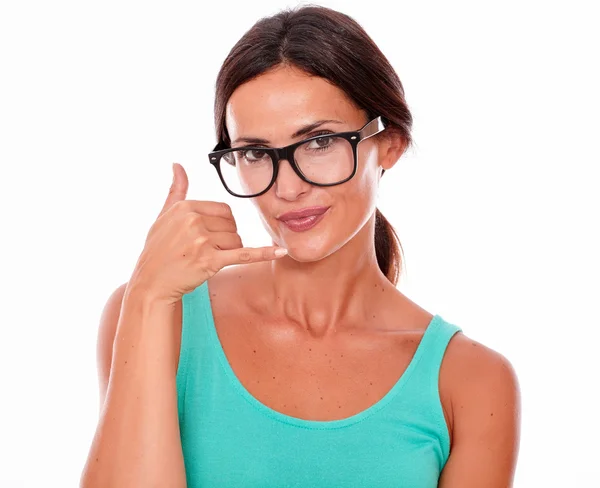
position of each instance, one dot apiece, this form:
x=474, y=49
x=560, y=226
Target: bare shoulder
x=471, y=366
x=479, y=384
x=106, y=335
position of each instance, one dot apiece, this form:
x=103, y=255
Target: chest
x=323, y=379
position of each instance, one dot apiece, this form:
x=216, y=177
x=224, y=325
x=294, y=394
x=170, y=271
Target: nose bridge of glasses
x=287, y=154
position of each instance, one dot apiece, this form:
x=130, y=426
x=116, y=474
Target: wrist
x=146, y=296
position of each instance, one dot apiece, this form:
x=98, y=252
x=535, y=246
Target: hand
x=191, y=241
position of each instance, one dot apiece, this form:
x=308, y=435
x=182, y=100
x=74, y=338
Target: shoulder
x=107, y=327
x=476, y=366
x=483, y=395
x=480, y=383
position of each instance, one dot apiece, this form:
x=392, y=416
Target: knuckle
x=193, y=219
x=200, y=241
x=201, y=253
x=245, y=256
x=178, y=205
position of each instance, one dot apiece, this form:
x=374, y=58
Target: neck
x=322, y=296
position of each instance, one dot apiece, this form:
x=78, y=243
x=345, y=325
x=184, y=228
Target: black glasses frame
x=370, y=129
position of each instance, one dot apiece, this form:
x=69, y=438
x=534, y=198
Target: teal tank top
x=230, y=439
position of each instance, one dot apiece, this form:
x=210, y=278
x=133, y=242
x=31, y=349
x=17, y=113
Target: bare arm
x=137, y=440
x=486, y=412
x=106, y=338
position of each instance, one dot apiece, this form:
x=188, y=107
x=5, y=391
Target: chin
x=303, y=255
x=306, y=249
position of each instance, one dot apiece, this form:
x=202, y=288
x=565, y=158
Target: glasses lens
x=247, y=171
x=326, y=160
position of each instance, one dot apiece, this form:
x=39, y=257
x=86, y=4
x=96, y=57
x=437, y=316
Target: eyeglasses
x=322, y=160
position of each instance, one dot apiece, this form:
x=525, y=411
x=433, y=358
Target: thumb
x=178, y=189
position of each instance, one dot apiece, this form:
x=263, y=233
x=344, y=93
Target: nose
x=288, y=185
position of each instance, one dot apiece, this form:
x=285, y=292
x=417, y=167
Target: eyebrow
x=300, y=132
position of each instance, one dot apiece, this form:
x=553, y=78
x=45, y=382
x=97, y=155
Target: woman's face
x=272, y=107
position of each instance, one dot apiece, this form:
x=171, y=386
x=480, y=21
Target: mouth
x=304, y=219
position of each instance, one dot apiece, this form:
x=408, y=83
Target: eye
x=321, y=143
x=254, y=155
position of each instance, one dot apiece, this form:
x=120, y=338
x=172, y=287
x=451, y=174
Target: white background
x=496, y=207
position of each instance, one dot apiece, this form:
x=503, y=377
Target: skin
x=300, y=332
x=323, y=309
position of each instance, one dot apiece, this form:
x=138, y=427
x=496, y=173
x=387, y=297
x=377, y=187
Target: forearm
x=137, y=441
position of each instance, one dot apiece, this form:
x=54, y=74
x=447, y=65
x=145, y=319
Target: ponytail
x=387, y=248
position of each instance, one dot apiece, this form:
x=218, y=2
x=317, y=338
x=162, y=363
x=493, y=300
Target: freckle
x=96, y=459
x=239, y=276
x=321, y=398
x=325, y=354
x=309, y=349
x=339, y=406
x=492, y=414
x=373, y=316
x=341, y=355
x=254, y=350
x=370, y=383
x=125, y=362
x=273, y=377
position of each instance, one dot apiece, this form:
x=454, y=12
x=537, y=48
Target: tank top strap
x=431, y=350
x=422, y=389
x=195, y=336
x=435, y=341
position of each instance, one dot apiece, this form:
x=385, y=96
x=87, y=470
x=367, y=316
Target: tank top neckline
x=315, y=424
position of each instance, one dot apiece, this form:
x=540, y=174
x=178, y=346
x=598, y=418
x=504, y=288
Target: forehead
x=276, y=103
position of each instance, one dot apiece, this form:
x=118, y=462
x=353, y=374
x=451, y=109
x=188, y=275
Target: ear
x=393, y=145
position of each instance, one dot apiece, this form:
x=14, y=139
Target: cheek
x=365, y=183
x=263, y=207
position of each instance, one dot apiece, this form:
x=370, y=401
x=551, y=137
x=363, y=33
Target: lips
x=303, y=213
x=303, y=219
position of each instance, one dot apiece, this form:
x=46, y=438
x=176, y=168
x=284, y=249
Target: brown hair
x=329, y=44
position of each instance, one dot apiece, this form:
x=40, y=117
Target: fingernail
x=280, y=252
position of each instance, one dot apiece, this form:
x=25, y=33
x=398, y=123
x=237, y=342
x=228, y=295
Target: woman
x=304, y=365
